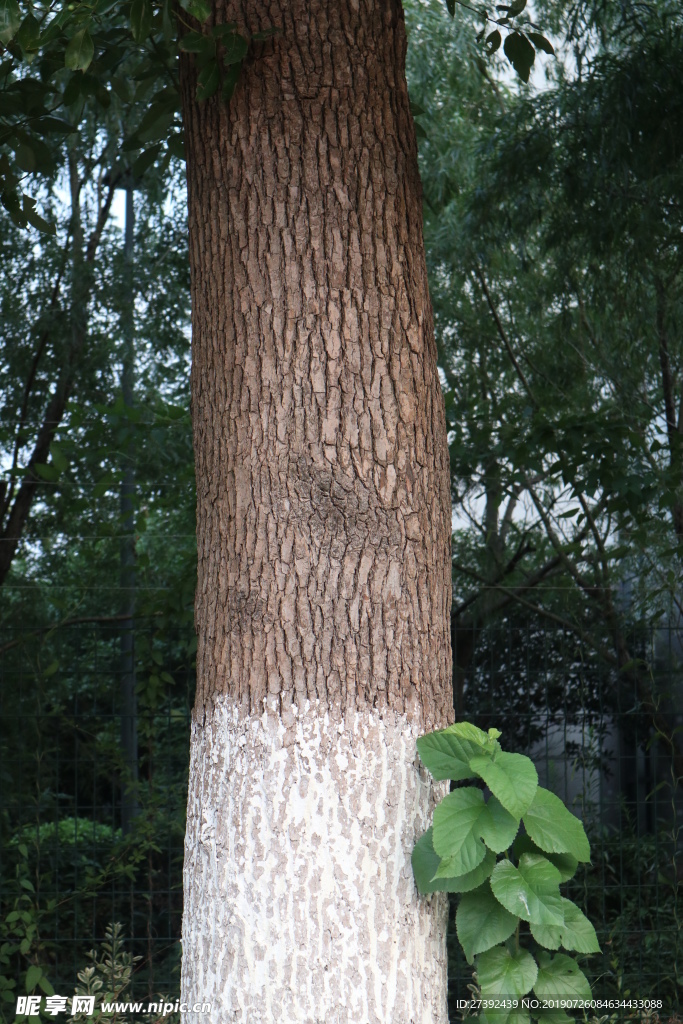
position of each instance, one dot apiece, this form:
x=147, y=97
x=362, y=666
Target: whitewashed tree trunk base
x=300, y=904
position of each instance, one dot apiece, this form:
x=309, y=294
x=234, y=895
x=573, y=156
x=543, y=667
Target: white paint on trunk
x=300, y=903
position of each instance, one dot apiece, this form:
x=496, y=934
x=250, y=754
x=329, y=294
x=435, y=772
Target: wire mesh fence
x=93, y=830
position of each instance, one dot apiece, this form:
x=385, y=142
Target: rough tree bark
x=324, y=588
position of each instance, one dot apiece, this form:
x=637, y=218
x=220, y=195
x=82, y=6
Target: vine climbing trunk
x=323, y=525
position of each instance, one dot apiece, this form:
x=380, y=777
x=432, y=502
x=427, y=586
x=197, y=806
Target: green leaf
x=506, y=974
x=555, y=829
x=145, y=160
x=426, y=862
x=176, y=146
x=450, y=4
x=29, y=34
x=455, y=835
x=10, y=20
x=33, y=976
x=46, y=471
x=72, y=90
x=531, y=891
x=236, y=48
x=447, y=752
x=577, y=933
x=564, y=862
x=56, y=26
x=45, y=985
x=550, y=1015
x=510, y=777
x=59, y=459
x=199, y=9
x=541, y=43
x=497, y=827
x=560, y=978
x=494, y=40
x=208, y=81
x=140, y=19
x=481, y=922
x=520, y=53
x=196, y=42
x=80, y=51
x=230, y=81
x=26, y=158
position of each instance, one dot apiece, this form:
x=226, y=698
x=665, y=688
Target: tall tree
x=323, y=596
x=323, y=602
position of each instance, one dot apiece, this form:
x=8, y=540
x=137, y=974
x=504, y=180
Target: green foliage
x=510, y=910
x=522, y=40
x=94, y=61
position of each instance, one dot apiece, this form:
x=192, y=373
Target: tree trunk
x=324, y=589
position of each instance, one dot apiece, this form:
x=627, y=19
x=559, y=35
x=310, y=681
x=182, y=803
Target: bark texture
x=300, y=903
x=320, y=440
x=324, y=587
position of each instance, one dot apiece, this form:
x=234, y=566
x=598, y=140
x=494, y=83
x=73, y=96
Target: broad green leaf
x=10, y=20
x=228, y=28
x=555, y=829
x=510, y=777
x=541, y=43
x=531, y=891
x=506, y=974
x=140, y=19
x=45, y=985
x=560, y=978
x=481, y=922
x=426, y=863
x=33, y=976
x=564, y=862
x=196, y=42
x=235, y=49
x=549, y=1015
x=28, y=35
x=59, y=459
x=26, y=157
x=199, y=9
x=518, y=1015
x=56, y=26
x=450, y=4
x=145, y=160
x=208, y=81
x=230, y=81
x=455, y=837
x=80, y=51
x=493, y=41
x=447, y=752
x=72, y=89
x=497, y=827
x=46, y=471
x=577, y=933
x=547, y=935
x=520, y=53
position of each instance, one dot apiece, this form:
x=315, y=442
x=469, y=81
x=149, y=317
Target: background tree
x=556, y=281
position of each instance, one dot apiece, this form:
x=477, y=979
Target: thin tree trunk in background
x=129, y=721
x=324, y=518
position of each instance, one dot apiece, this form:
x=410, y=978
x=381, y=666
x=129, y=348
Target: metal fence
x=92, y=835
